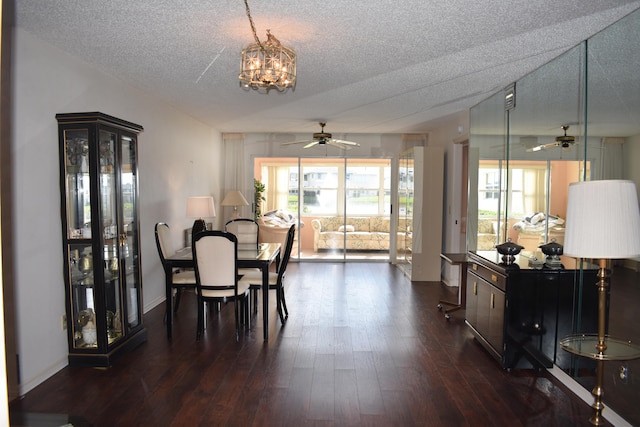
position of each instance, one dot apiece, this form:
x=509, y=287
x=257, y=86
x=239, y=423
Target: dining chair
x=180, y=278
x=215, y=255
x=246, y=231
x=276, y=279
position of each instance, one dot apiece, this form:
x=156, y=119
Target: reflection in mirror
x=486, y=143
x=519, y=172
x=614, y=128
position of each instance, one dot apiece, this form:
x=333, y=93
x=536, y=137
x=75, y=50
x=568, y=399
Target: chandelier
x=267, y=65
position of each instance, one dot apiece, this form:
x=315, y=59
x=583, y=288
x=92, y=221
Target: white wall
x=450, y=129
x=178, y=157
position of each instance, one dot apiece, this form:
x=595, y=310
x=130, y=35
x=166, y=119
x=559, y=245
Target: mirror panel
x=613, y=112
x=518, y=168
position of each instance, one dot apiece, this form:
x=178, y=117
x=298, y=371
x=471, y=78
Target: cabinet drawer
x=496, y=279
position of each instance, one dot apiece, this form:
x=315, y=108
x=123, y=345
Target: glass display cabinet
x=100, y=235
x=405, y=210
x=419, y=226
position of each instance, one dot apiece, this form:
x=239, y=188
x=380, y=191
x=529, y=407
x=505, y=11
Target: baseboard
x=24, y=388
x=584, y=394
x=153, y=304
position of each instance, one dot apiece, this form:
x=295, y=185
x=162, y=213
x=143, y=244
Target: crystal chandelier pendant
x=267, y=66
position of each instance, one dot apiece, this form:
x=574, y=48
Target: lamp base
x=198, y=226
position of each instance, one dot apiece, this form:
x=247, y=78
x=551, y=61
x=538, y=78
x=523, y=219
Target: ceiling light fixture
x=267, y=65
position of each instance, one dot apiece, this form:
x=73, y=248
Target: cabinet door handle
x=493, y=300
x=475, y=288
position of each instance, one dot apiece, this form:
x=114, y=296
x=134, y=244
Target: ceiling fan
x=325, y=138
x=565, y=141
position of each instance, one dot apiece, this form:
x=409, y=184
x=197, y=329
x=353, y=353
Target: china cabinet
x=100, y=235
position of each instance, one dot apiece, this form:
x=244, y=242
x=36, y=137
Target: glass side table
x=585, y=345
x=616, y=349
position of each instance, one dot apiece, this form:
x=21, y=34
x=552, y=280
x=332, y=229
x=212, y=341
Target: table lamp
x=234, y=198
x=200, y=207
x=603, y=223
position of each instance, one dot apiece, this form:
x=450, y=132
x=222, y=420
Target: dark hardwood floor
x=363, y=346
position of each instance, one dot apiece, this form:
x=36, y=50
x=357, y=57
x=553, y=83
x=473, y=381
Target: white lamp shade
x=603, y=220
x=234, y=198
x=200, y=207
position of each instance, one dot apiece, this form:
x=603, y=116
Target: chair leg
x=279, y=303
x=284, y=303
x=235, y=312
x=206, y=312
x=177, y=304
x=254, y=293
x=200, y=322
x=247, y=308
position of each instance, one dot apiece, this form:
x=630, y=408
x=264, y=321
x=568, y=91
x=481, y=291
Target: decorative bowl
x=551, y=248
x=509, y=248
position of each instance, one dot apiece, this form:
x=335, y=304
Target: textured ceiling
x=363, y=66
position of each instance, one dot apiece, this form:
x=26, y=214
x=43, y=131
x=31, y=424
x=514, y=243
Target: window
x=526, y=182
x=368, y=189
x=320, y=189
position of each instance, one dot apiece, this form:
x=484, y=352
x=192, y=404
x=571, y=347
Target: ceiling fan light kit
x=267, y=65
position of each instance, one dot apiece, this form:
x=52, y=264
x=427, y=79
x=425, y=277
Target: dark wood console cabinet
x=519, y=314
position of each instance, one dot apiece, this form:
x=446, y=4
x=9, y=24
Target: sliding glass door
x=342, y=206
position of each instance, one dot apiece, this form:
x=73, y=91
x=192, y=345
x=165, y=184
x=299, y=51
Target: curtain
x=276, y=180
x=234, y=174
x=534, y=190
x=612, y=166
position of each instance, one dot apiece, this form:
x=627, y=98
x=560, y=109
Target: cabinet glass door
x=110, y=234
x=81, y=272
x=405, y=211
x=77, y=182
x=129, y=235
x=82, y=291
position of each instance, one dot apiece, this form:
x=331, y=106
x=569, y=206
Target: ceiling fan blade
x=323, y=138
x=340, y=141
x=297, y=142
x=338, y=145
x=311, y=144
x=543, y=147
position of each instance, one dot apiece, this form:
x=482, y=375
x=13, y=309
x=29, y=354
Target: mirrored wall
x=576, y=118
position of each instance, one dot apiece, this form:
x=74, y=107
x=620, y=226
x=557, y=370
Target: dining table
x=261, y=257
